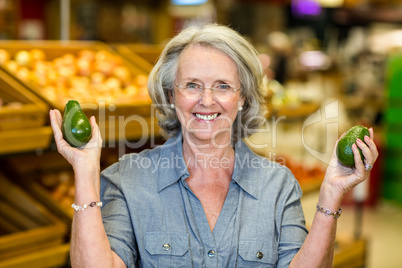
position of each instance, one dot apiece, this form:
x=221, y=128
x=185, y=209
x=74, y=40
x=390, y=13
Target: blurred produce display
x=87, y=75
x=19, y=108
x=10, y=105
x=22, y=118
x=60, y=186
x=30, y=235
x=304, y=173
x=104, y=82
x=309, y=175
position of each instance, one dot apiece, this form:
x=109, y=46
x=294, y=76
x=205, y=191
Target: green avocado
x=344, y=148
x=76, y=128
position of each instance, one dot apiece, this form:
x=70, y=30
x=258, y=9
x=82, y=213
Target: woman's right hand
x=87, y=157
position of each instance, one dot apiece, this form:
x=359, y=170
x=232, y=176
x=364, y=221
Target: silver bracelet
x=84, y=207
x=328, y=212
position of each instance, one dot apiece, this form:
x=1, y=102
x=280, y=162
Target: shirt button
x=166, y=247
x=211, y=253
x=260, y=255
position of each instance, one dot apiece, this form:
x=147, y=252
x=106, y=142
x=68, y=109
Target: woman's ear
x=242, y=100
x=171, y=97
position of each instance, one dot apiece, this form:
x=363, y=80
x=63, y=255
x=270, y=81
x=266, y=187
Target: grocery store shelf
x=349, y=253
x=134, y=58
x=294, y=111
x=30, y=235
x=148, y=52
x=56, y=256
x=24, y=140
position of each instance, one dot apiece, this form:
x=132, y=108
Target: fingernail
x=359, y=140
x=367, y=138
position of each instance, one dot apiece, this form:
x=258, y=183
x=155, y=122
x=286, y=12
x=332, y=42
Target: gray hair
x=162, y=77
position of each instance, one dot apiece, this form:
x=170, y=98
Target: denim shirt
x=153, y=219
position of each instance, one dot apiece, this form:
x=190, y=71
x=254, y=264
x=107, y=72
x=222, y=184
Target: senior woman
x=203, y=199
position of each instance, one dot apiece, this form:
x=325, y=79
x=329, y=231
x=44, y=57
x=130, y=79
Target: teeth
x=206, y=117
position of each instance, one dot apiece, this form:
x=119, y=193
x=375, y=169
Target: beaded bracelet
x=84, y=207
x=328, y=212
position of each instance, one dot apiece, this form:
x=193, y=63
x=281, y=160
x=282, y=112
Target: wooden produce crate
x=28, y=230
x=349, y=252
x=104, y=82
x=302, y=110
x=23, y=140
x=22, y=118
x=56, y=256
x=48, y=178
x=142, y=54
x=21, y=108
x=55, y=190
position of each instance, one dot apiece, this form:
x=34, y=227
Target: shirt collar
x=173, y=167
x=246, y=171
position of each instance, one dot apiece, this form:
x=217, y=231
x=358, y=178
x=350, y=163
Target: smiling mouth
x=207, y=117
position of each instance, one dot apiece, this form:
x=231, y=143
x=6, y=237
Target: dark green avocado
x=76, y=128
x=344, y=148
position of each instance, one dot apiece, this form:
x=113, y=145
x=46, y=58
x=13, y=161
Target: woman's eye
x=223, y=86
x=192, y=85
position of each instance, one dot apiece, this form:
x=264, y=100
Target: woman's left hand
x=340, y=179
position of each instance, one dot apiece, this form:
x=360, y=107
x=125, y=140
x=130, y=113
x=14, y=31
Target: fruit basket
x=29, y=234
x=105, y=84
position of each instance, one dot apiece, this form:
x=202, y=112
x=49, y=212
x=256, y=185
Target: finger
x=96, y=131
x=360, y=171
x=96, y=140
x=371, y=131
x=368, y=156
x=373, y=148
x=59, y=118
x=62, y=145
x=54, y=122
x=94, y=125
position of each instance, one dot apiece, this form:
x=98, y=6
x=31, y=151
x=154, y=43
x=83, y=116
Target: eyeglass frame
x=183, y=87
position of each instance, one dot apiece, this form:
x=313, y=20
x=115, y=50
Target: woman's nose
x=207, y=97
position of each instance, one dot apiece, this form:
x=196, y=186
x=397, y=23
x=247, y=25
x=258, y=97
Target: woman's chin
x=216, y=138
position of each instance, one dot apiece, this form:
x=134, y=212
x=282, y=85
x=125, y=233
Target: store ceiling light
x=188, y=2
x=330, y=3
x=306, y=8
x=314, y=60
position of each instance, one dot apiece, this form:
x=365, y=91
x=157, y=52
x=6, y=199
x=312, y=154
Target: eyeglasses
x=221, y=91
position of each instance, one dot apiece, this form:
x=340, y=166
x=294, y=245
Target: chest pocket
x=167, y=250
x=257, y=253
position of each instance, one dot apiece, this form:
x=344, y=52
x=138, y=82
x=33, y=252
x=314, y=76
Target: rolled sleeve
x=292, y=231
x=116, y=219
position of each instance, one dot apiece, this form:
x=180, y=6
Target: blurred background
x=329, y=65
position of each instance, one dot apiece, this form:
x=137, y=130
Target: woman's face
x=206, y=118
